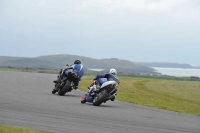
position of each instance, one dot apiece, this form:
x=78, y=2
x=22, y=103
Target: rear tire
x=100, y=98
x=65, y=89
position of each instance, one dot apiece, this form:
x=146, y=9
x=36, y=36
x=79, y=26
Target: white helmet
x=113, y=71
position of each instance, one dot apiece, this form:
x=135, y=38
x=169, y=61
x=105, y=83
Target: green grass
x=179, y=96
x=13, y=129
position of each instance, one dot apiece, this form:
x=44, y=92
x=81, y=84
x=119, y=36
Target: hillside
x=58, y=61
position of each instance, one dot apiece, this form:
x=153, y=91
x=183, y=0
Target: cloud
x=181, y=10
x=42, y=3
x=133, y=5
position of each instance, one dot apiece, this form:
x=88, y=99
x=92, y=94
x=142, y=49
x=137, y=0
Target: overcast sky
x=135, y=30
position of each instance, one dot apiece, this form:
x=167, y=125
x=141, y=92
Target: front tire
x=100, y=98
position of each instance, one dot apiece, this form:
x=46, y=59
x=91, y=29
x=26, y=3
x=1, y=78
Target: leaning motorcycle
x=66, y=83
x=106, y=92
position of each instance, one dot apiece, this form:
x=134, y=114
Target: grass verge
x=13, y=129
x=178, y=96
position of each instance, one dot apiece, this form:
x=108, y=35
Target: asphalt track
x=26, y=101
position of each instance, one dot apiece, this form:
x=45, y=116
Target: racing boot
x=113, y=97
x=75, y=87
x=83, y=100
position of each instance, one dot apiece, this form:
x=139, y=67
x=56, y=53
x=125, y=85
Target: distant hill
x=58, y=61
x=165, y=65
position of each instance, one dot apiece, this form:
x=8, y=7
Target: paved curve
x=26, y=101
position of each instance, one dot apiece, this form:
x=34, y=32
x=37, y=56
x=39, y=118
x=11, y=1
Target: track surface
x=26, y=101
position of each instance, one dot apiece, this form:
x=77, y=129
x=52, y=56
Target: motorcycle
x=105, y=92
x=66, y=83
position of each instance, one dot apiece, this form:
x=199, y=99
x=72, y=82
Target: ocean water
x=93, y=69
x=178, y=72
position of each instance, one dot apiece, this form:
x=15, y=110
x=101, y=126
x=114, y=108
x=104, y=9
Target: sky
x=134, y=30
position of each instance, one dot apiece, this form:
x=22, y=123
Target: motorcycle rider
x=100, y=79
x=77, y=67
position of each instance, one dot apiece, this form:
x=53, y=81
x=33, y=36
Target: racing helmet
x=113, y=71
x=77, y=61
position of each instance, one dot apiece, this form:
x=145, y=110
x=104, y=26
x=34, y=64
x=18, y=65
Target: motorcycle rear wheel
x=65, y=89
x=100, y=98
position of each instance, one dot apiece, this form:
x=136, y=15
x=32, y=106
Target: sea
x=178, y=72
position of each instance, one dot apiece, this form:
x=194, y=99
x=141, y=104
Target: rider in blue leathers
x=77, y=67
x=112, y=75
